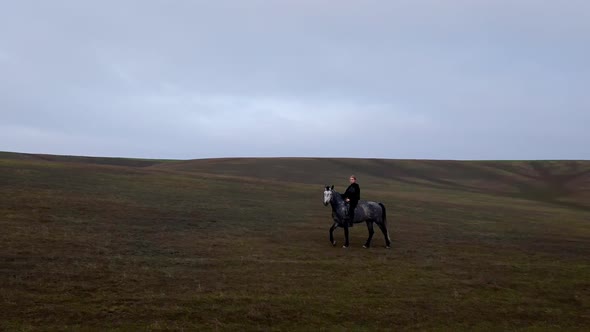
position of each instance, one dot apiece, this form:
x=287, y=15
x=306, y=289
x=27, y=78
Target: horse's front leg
x=334, y=226
x=346, y=243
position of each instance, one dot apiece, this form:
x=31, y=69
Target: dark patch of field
x=242, y=244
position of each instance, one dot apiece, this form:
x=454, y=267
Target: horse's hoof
x=344, y=247
x=366, y=247
x=334, y=243
x=387, y=247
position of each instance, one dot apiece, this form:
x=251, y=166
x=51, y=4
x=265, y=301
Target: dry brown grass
x=242, y=244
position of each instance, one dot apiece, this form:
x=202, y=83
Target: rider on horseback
x=352, y=197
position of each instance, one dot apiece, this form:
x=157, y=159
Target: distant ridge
x=561, y=182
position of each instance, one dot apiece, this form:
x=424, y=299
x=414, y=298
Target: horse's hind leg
x=371, y=232
x=385, y=232
x=332, y=241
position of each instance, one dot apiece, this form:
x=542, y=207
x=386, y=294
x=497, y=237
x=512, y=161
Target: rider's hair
x=354, y=177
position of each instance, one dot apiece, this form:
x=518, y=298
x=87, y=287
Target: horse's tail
x=385, y=228
x=383, y=212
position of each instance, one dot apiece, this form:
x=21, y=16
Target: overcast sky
x=389, y=79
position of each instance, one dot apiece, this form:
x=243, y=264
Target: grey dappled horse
x=366, y=211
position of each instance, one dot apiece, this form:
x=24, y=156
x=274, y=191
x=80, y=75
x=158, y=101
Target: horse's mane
x=339, y=194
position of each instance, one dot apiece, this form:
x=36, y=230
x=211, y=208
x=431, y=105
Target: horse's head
x=328, y=192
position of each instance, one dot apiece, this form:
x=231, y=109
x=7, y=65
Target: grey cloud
x=188, y=79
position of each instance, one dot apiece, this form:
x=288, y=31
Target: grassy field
x=242, y=244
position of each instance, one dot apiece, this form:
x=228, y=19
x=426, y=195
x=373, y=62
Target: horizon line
x=273, y=157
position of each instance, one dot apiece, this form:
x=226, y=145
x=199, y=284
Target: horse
x=366, y=211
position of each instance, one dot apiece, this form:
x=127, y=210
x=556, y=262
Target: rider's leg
x=351, y=207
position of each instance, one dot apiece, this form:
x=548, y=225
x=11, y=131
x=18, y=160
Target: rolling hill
x=242, y=243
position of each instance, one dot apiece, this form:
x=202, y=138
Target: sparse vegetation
x=122, y=244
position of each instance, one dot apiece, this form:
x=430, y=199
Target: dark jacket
x=353, y=192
